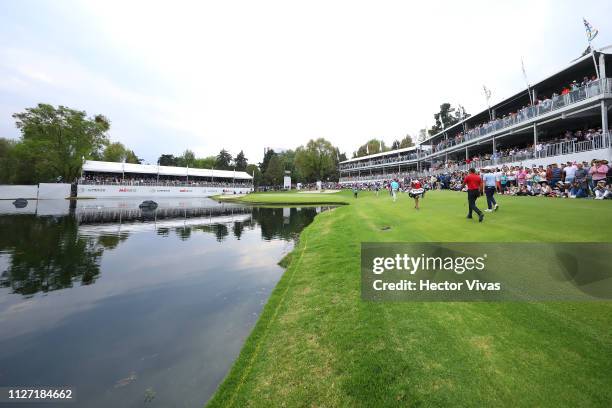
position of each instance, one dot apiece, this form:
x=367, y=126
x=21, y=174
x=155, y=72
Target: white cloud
x=245, y=75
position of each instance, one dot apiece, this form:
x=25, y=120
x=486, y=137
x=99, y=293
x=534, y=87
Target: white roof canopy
x=112, y=167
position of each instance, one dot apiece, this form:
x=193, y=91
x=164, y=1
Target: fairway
x=318, y=344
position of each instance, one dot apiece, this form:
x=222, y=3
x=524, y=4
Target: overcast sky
x=245, y=75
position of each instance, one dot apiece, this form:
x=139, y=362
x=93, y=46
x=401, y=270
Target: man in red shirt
x=474, y=189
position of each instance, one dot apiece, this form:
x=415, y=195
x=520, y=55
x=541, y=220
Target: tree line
x=446, y=117
x=53, y=144
x=55, y=140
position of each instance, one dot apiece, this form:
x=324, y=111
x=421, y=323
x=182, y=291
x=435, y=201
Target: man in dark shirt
x=474, y=189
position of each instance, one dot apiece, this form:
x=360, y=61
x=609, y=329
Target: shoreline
x=317, y=343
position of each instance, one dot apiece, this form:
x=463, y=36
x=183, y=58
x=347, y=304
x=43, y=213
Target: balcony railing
x=547, y=150
x=592, y=89
x=162, y=183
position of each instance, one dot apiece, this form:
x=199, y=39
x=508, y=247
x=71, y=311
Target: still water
x=133, y=308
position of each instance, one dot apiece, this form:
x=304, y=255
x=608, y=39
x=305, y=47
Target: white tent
x=112, y=167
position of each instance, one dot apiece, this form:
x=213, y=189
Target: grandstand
x=561, y=118
x=109, y=179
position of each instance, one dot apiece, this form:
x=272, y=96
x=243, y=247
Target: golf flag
x=590, y=31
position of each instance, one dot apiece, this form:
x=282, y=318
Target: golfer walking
x=490, y=184
x=474, y=189
x=394, y=188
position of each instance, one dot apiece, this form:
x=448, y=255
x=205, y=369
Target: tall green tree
x=167, y=160
x=317, y=160
x=205, y=162
x=117, y=152
x=187, y=159
x=253, y=170
x=447, y=117
x=406, y=142
x=56, y=140
x=224, y=160
x=240, y=162
x=274, y=173
x=372, y=146
x=263, y=166
x=9, y=162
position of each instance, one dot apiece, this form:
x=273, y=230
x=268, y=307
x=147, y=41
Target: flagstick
x=594, y=60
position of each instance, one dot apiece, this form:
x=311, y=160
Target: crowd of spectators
x=572, y=93
x=391, y=158
x=568, y=180
x=161, y=181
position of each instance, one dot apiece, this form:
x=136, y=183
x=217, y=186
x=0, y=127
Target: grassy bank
x=275, y=198
x=318, y=344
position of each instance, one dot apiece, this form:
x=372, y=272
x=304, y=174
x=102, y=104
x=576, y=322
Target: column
x=604, y=123
x=466, y=153
x=535, y=138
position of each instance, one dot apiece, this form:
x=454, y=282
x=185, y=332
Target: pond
x=133, y=308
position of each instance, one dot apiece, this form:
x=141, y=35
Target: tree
x=395, y=145
x=130, y=157
x=406, y=142
x=223, y=160
x=422, y=135
x=56, y=140
x=263, y=166
x=205, y=163
x=317, y=160
x=8, y=161
x=254, y=171
x=274, y=173
x=167, y=160
x=117, y=152
x=447, y=117
x=371, y=147
x=240, y=162
x=187, y=159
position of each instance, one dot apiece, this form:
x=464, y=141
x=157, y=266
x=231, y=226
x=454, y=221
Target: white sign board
x=318, y=185
x=287, y=183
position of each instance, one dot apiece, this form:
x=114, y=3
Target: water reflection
x=156, y=301
x=55, y=252
x=47, y=253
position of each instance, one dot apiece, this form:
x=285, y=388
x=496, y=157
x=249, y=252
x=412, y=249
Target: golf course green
x=317, y=344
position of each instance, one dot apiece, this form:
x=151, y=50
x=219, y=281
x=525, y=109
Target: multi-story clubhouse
x=561, y=118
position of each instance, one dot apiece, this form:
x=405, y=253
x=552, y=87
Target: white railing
x=162, y=183
x=592, y=89
x=549, y=150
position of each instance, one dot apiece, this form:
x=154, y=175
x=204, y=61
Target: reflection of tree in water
x=237, y=229
x=283, y=223
x=48, y=254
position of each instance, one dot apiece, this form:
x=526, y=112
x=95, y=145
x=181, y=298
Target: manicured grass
x=275, y=198
x=318, y=344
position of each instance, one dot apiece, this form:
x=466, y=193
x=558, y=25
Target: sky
x=245, y=75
